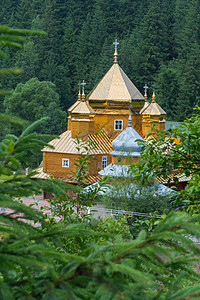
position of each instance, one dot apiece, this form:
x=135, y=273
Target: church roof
x=107, y=111
x=114, y=170
x=154, y=109
x=74, y=105
x=82, y=108
x=170, y=178
x=92, y=178
x=66, y=144
x=115, y=86
x=146, y=104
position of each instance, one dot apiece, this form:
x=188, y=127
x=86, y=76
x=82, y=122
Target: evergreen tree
x=168, y=91
x=85, y=53
x=28, y=61
x=186, y=32
x=23, y=14
x=153, y=46
x=104, y=62
x=7, y=12
x=68, y=67
x=186, y=27
x=190, y=87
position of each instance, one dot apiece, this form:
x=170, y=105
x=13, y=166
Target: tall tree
x=186, y=27
x=190, y=87
x=153, y=44
x=33, y=100
x=168, y=91
x=28, y=61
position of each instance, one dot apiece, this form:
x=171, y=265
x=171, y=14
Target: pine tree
x=190, y=88
x=84, y=58
x=27, y=60
x=104, y=62
x=186, y=27
x=168, y=91
x=152, y=49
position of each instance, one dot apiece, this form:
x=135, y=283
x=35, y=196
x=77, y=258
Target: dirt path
x=39, y=203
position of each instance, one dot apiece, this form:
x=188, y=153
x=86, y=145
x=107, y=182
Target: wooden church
x=100, y=117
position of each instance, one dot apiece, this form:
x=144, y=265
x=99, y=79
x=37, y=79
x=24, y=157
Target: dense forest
x=159, y=41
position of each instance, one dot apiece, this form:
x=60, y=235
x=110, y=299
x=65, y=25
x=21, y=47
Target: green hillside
x=159, y=41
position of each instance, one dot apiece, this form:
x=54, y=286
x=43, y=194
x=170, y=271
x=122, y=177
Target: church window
x=65, y=162
x=104, y=162
x=118, y=124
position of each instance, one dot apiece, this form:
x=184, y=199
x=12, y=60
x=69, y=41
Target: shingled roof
x=66, y=144
x=82, y=108
x=115, y=86
x=153, y=109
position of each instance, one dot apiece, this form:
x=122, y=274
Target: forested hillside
x=159, y=41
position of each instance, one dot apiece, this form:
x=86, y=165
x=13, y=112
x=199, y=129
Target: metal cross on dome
x=145, y=87
x=116, y=43
x=83, y=84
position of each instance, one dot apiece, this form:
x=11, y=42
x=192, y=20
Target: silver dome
x=125, y=143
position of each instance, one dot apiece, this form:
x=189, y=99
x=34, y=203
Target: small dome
x=153, y=109
x=82, y=108
x=125, y=143
x=146, y=104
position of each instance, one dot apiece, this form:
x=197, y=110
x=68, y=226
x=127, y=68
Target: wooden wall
x=107, y=122
x=147, y=124
x=52, y=162
x=82, y=126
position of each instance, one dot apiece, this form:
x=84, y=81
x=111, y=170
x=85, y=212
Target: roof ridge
x=121, y=74
x=87, y=97
x=113, y=66
x=124, y=74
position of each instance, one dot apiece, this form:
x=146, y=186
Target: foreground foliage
x=175, y=153
x=36, y=264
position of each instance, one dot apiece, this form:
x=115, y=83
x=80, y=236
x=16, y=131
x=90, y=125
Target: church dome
x=115, y=86
x=82, y=108
x=153, y=109
x=125, y=143
x=146, y=104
